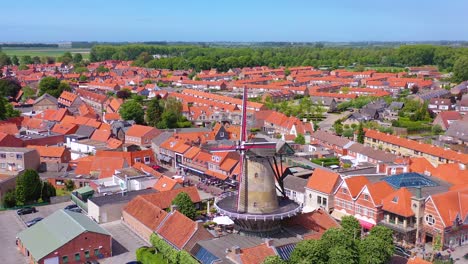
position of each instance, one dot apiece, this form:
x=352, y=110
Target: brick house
x=65, y=237
x=141, y=135
x=45, y=102
x=445, y=214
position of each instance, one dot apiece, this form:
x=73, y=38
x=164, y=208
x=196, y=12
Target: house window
x=65, y=259
x=3, y=156
x=77, y=257
x=366, y=197
x=147, y=160
x=3, y=165
x=19, y=156
x=96, y=252
x=221, y=134
x=430, y=219
x=344, y=190
x=319, y=200
x=324, y=201
x=86, y=254
x=137, y=159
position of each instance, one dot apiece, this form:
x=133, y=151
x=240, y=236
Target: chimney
x=174, y=208
x=269, y=242
x=236, y=250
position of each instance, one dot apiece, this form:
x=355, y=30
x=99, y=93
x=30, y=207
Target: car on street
x=34, y=221
x=71, y=206
x=76, y=210
x=26, y=210
x=400, y=251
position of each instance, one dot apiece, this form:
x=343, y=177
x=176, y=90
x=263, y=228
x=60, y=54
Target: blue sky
x=240, y=20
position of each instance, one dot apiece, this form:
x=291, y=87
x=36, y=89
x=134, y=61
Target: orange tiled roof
x=416, y=260
x=257, y=254
x=418, y=146
x=64, y=129
x=139, y=130
x=398, y=202
x=378, y=191
x=450, y=205
x=323, y=181
x=177, y=229
x=49, y=151
x=164, y=199
x=101, y=135
x=355, y=184
x=9, y=128
x=145, y=212
x=192, y=152
x=165, y=184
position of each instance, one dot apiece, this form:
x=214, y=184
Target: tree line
x=224, y=58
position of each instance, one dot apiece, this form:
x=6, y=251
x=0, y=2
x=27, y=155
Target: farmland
x=41, y=52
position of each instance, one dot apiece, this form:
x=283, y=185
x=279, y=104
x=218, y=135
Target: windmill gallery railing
x=280, y=215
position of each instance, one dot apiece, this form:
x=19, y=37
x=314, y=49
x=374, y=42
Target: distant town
x=234, y=153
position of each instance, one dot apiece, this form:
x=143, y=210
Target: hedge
x=147, y=255
x=169, y=253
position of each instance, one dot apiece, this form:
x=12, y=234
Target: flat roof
x=119, y=197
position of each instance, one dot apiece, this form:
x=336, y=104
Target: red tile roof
x=177, y=229
x=146, y=212
x=355, y=184
x=139, y=130
x=165, y=184
x=164, y=199
x=323, y=181
x=450, y=205
x=398, y=202
x=257, y=254
x=49, y=151
x=317, y=221
x=418, y=146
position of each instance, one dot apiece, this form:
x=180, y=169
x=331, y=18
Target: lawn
x=40, y=52
x=62, y=192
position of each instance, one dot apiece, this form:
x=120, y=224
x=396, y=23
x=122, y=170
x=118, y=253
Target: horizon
x=244, y=22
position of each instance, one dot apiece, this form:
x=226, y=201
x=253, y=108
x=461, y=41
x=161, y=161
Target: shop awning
x=338, y=214
x=366, y=225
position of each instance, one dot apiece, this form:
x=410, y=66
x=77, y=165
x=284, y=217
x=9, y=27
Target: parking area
x=10, y=226
x=44, y=211
x=124, y=243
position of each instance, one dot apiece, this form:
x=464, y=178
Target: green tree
x=28, y=187
x=69, y=185
x=132, y=110
x=67, y=58
x=9, y=87
x=300, y=139
x=154, y=112
x=437, y=130
x=26, y=60
x=15, y=60
x=460, y=69
x=4, y=60
x=338, y=127
x=9, y=199
x=52, y=86
x=83, y=78
x=77, y=58
x=185, y=205
x=10, y=111
x=80, y=70
x=360, y=134
x=101, y=69
x=377, y=247
x=36, y=60
x=124, y=94
x=351, y=227
x=273, y=260
x=309, y=251
x=48, y=190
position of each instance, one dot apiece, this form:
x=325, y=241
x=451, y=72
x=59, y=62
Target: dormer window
x=395, y=199
x=366, y=197
x=344, y=190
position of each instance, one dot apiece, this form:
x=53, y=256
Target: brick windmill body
x=255, y=207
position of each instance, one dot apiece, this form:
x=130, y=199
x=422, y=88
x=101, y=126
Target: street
x=10, y=226
x=328, y=122
x=124, y=245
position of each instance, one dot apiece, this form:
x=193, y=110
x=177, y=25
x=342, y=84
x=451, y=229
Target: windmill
x=256, y=198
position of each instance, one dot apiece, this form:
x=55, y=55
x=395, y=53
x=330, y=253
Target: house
x=45, y=102
x=445, y=118
x=446, y=215
x=141, y=135
x=294, y=189
x=399, y=216
x=7, y=140
x=327, y=103
x=108, y=208
x=53, y=158
x=339, y=145
x=437, y=105
x=70, y=101
x=125, y=180
x=457, y=132
x=405, y=147
x=15, y=160
x=145, y=213
x=320, y=189
x=65, y=237
x=462, y=105
x=181, y=232
x=359, y=153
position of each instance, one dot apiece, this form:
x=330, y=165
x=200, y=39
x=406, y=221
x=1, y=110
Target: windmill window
x=256, y=175
x=255, y=204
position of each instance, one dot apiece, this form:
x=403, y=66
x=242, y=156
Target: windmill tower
x=255, y=207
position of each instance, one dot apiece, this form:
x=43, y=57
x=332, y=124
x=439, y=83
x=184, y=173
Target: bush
x=169, y=253
x=147, y=255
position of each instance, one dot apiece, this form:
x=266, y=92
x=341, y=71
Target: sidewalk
x=457, y=254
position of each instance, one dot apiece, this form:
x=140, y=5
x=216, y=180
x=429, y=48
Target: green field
x=40, y=52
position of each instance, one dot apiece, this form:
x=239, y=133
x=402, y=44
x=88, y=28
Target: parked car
x=71, y=206
x=76, y=210
x=26, y=210
x=400, y=251
x=34, y=221
x=92, y=262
